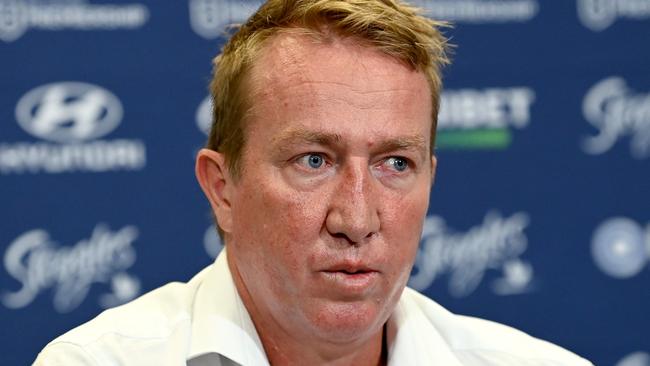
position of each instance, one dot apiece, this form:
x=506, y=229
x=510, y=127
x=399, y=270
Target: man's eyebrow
x=404, y=142
x=309, y=137
x=414, y=143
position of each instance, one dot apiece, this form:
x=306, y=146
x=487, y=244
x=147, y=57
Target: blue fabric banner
x=539, y=217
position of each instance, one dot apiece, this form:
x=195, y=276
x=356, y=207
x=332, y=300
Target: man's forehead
x=301, y=56
x=296, y=73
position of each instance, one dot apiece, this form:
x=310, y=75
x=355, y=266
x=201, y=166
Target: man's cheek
x=404, y=214
x=415, y=208
x=298, y=211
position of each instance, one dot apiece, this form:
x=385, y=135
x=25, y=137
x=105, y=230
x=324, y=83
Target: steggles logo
x=617, y=111
x=496, y=244
x=36, y=261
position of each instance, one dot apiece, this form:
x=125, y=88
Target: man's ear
x=216, y=182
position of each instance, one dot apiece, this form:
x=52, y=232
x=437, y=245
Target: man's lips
x=350, y=279
x=349, y=268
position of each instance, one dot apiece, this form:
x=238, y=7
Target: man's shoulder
x=152, y=315
x=477, y=341
x=148, y=322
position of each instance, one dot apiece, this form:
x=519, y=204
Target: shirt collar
x=220, y=322
x=412, y=338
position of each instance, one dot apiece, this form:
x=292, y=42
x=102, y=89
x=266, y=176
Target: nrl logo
x=210, y=18
x=599, y=15
x=13, y=20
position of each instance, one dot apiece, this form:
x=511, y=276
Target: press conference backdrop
x=539, y=217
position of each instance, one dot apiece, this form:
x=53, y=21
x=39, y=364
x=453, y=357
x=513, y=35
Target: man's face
x=328, y=211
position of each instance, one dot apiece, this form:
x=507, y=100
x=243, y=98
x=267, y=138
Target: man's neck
x=281, y=350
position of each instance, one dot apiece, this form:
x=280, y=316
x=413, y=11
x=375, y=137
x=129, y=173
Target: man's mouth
x=350, y=279
x=350, y=269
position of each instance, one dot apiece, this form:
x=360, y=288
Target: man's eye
x=313, y=161
x=397, y=163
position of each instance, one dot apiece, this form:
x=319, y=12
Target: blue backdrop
x=539, y=218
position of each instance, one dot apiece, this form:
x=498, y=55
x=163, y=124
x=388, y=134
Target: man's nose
x=353, y=210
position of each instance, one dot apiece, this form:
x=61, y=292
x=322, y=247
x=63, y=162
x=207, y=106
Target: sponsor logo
x=69, y=112
x=599, y=15
x=482, y=118
x=468, y=118
x=211, y=18
x=38, y=263
x=204, y=116
x=635, y=359
x=18, y=16
x=616, y=111
x=621, y=247
x=212, y=242
x=465, y=257
x=72, y=117
x=480, y=11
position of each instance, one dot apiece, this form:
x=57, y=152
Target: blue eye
x=398, y=164
x=314, y=161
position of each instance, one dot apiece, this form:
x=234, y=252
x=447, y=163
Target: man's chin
x=343, y=322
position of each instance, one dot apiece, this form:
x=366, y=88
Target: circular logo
x=204, y=115
x=69, y=112
x=618, y=247
x=635, y=359
x=597, y=15
x=210, y=18
x=13, y=20
x=212, y=242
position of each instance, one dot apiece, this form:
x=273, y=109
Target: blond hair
x=390, y=26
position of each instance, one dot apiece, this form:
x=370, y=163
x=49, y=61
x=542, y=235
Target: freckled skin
x=288, y=221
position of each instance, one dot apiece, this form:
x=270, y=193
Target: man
x=318, y=169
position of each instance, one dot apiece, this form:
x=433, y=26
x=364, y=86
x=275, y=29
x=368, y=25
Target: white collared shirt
x=204, y=322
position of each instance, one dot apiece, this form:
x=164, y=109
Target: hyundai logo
x=69, y=112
